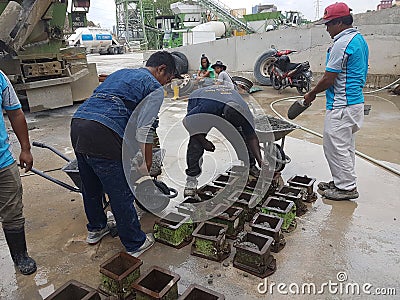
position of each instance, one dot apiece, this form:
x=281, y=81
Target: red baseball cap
x=334, y=11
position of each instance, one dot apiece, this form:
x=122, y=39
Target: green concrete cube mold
x=157, y=283
x=273, y=229
x=118, y=273
x=234, y=218
x=209, y=190
x=243, y=200
x=258, y=260
x=226, y=181
x=210, y=241
x=251, y=186
x=293, y=194
x=174, y=230
x=198, y=292
x=282, y=208
x=239, y=170
x=195, y=209
x=305, y=183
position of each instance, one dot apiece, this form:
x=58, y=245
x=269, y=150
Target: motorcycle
x=284, y=73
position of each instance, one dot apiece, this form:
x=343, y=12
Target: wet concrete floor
x=357, y=237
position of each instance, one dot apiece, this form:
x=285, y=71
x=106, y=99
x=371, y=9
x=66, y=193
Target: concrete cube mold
x=197, y=208
x=198, y=292
x=234, y=218
x=209, y=190
x=210, y=241
x=253, y=254
x=281, y=208
x=74, y=290
x=305, y=183
x=243, y=199
x=226, y=181
x=271, y=226
x=240, y=170
x=293, y=194
x=157, y=283
x=118, y=273
x=174, y=230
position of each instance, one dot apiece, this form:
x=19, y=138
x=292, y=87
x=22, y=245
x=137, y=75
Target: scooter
x=284, y=73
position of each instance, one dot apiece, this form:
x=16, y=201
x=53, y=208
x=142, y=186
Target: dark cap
x=334, y=11
x=219, y=63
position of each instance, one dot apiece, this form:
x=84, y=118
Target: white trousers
x=339, y=143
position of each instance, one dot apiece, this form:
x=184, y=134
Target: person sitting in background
x=223, y=77
x=205, y=69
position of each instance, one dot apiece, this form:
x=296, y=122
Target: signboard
x=78, y=19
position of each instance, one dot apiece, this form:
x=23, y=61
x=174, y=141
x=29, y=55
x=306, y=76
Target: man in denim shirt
x=97, y=134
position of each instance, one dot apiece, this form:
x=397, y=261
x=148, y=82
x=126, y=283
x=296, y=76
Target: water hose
x=358, y=153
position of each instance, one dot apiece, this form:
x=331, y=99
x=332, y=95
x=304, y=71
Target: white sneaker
x=190, y=187
x=148, y=242
x=95, y=236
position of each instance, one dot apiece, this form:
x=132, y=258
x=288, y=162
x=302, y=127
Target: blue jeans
x=100, y=176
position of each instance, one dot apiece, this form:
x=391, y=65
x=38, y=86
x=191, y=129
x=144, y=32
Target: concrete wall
x=381, y=30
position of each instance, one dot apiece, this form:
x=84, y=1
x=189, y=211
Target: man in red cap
x=343, y=80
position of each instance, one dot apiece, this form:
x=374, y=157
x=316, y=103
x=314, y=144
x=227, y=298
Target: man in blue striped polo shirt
x=11, y=207
x=343, y=80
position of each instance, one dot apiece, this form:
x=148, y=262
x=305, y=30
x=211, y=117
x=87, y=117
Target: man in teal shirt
x=344, y=78
x=11, y=215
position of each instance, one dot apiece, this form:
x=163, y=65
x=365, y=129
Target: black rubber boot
x=17, y=244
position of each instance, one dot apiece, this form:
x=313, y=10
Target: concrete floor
x=358, y=237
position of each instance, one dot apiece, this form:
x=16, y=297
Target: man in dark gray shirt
x=212, y=107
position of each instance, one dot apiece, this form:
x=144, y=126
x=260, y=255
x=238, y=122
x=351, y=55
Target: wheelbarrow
x=71, y=169
x=153, y=204
x=269, y=130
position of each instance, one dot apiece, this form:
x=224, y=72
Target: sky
x=103, y=11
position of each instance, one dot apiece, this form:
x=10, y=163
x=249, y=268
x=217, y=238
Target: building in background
x=238, y=12
x=385, y=4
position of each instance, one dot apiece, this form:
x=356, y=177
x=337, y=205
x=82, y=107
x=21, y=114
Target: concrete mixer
x=95, y=40
x=202, y=33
